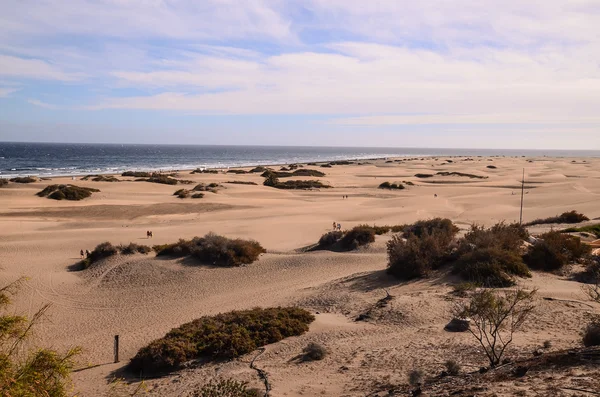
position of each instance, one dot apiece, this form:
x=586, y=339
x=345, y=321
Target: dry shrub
x=204, y=171
x=133, y=248
x=224, y=336
x=357, y=237
x=423, y=175
x=416, y=257
x=566, y=217
x=214, y=249
x=491, y=257
x=443, y=227
x=591, y=334
x=416, y=377
x=137, y=174
x=24, y=179
x=226, y=388
x=66, y=192
x=555, y=250
x=162, y=179
x=391, y=186
x=182, y=193
x=237, y=172
x=592, y=229
x=330, y=238
x=452, y=367
x=314, y=352
x=491, y=267
x=197, y=195
x=3, y=182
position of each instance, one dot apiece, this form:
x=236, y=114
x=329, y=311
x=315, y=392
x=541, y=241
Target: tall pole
x=522, y=191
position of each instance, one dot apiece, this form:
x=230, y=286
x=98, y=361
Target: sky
x=430, y=73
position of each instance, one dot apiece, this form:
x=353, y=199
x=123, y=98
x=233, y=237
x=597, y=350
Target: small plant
x=591, y=334
x=224, y=336
x=357, y=237
x=314, y=352
x=226, y=388
x=214, y=249
x=495, y=317
x=566, y=217
x=66, y=192
x=554, y=250
x=463, y=289
x=197, y=195
x=24, y=179
x=25, y=371
x=452, y=367
x=391, y=186
x=133, y=248
x=416, y=377
x=547, y=344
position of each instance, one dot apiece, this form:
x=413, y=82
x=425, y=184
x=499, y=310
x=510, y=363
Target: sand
x=141, y=297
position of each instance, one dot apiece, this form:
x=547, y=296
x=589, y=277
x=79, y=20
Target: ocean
x=64, y=159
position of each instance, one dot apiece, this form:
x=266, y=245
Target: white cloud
x=42, y=104
x=6, y=91
x=16, y=67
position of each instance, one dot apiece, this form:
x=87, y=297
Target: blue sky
x=464, y=73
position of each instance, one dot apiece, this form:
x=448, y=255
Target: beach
x=140, y=297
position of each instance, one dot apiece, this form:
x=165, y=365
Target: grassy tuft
x=66, y=192
x=566, y=217
x=221, y=337
x=24, y=179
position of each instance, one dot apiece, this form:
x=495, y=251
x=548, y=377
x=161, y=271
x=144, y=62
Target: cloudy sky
x=431, y=73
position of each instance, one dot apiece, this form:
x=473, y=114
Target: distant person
x=334, y=225
x=435, y=195
x=339, y=227
x=81, y=254
x=87, y=253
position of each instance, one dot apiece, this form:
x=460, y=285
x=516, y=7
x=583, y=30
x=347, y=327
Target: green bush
x=391, y=186
x=443, y=227
x=501, y=235
x=566, y=217
x=66, y=192
x=137, y=174
x=214, y=249
x=133, y=248
x=357, y=237
x=226, y=388
x=491, y=267
x=417, y=255
x=591, y=334
x=24, y=179
x=224, y=336
x=593, y=229
x=553, y=250
x=329, y=239
x=27, y=372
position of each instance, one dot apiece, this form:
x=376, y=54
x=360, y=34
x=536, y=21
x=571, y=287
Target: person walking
x=81, y=254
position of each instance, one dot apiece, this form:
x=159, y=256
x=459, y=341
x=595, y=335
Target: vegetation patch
x=424, y=175
x=492, y=167
x=566, y=217
x=197, y=195
x=272, y=181
x=592, y=229
x=66, y=192
x=106, y=250
x=242, y=182
x=226, y=388
x=258, y=169
x=391, y=186
x=554, y=250
x=214, y=249
x=24, y=179
x=461, y=174
x=165, y=180
x=137, y=174
x=356, y=237
x=237, y=172
x=325, y=165
x=182, y=193
x=491, y=257
x=100, y=178
x=314, y=352
x=3, y=182
x=221, y=337
x=204, y=171
x=591, y=334
x=287, y=174
x=211, y=187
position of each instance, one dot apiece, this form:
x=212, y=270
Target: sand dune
x=142, y=297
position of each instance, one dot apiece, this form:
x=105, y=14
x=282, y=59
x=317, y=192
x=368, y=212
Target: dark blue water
x=53, y=159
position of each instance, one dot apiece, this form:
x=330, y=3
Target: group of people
x=344, y=197
x=149, y=234
x=337, y=226
x=85, y=254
